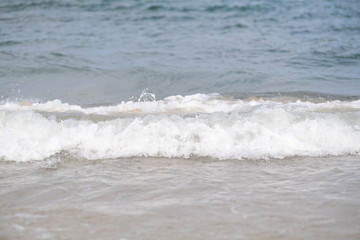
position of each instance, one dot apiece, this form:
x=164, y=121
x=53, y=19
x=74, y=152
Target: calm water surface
x=298, y=198
x=93, y=52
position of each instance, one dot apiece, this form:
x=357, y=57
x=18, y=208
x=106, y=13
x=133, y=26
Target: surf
x=181, y=127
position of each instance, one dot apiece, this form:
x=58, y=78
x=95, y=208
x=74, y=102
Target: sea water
x=179, y=119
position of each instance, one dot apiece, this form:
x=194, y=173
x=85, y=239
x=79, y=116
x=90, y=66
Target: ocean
x=138, y=119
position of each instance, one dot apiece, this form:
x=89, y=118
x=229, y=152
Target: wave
x=197, y=103
x=182, y=127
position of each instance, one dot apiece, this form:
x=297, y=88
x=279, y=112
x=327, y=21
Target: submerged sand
x=150, y=198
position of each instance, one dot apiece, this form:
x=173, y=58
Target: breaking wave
x=182, y=127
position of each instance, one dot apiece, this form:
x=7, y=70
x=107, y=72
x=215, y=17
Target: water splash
x=146, y=96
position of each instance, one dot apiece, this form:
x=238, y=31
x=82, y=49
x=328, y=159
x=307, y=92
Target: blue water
x=102, y=52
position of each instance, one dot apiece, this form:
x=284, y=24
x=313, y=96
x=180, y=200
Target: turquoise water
x=97, y=52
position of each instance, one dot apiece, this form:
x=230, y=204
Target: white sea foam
x=197, y=103
x=224, y=129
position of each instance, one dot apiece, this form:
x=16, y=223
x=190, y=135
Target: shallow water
x=156, y=198
x=143, y=119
